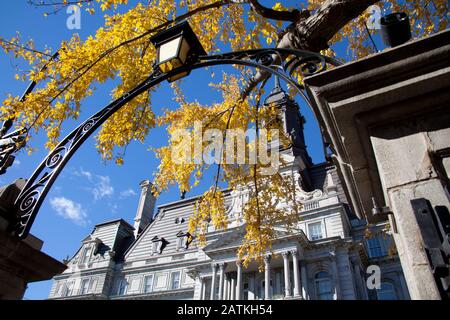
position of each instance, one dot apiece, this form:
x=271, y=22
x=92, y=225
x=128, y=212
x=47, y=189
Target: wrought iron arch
x=270, y=60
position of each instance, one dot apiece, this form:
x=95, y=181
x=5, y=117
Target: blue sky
x=90, y=191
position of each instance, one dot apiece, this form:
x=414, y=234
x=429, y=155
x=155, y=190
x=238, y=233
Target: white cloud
x=128, y=193
x=87, y=174
x=102, y=188
x=83, y=173
x=70, y=210
x=101, y=184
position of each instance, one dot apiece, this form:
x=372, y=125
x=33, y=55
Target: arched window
x=324, y=289
x=386, y=292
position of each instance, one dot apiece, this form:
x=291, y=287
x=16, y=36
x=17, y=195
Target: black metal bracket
x=435, y=242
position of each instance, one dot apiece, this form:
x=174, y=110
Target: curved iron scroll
x=33, y=194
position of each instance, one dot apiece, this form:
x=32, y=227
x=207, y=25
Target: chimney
x=144, y=214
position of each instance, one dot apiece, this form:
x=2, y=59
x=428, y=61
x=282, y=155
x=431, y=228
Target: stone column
x=304, y=276
x=336, y=277
x=221, y=279
x=232, y=288
x=213, y=281
x=203, y=291
x=287, y=274
x=202, y=287
x=239, y=280
x=251, y=286
x=360, y=281
x=226, y=291
x=297, y=285
x=267, y=277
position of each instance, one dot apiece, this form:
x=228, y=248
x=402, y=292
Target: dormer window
x=85, y=255
x=155, y=244
x=184, y=240
x=158, y=245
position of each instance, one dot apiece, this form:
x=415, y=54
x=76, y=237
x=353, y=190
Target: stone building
x=326, y=258
x=387, y=119
x=21, y=260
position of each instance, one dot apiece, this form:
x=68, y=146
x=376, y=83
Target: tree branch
x=314, y=32
x=12, y=44
x=269, y=13
x=56, y=3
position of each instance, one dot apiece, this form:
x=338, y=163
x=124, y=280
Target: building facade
x=387, y=120
x=326, y=258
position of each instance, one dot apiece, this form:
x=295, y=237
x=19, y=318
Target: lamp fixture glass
x=173, y=48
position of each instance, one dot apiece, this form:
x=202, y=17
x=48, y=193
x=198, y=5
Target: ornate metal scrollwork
x=269, y=60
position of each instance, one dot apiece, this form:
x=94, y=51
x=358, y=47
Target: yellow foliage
x=120, y=50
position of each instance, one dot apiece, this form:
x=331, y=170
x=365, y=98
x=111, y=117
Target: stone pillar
x=360, y=281
x=213, y=281
x=200, y=281
x=232, y=288
x=336, y=277
x=239, y=280
x=267, y=277
x=304, y=276
x=408, y=172
x=221, y=279
x=226, y=291
x=251, y=286
x=203, y=291
x=287, y=274
x=199, y=285
x=297, y=285
x=229, y=286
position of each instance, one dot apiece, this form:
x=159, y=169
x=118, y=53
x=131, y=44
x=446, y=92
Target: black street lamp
x=174, y=47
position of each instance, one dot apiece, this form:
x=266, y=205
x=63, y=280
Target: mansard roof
x=164, y=226
x=115, y=235
x=126, y=224
x=186, y=201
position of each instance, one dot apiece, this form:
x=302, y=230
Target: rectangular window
x=92, y=285
x=86, y=255
x=57, y=289
x=175, y=280
x=315, y=231
x=122, y=287
x=376, y=248
x=155, y=247
x=180, y=243
x=84, y=286
x=67, y=289
x=148, y=283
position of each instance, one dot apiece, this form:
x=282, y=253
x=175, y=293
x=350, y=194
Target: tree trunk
x=314, y=32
